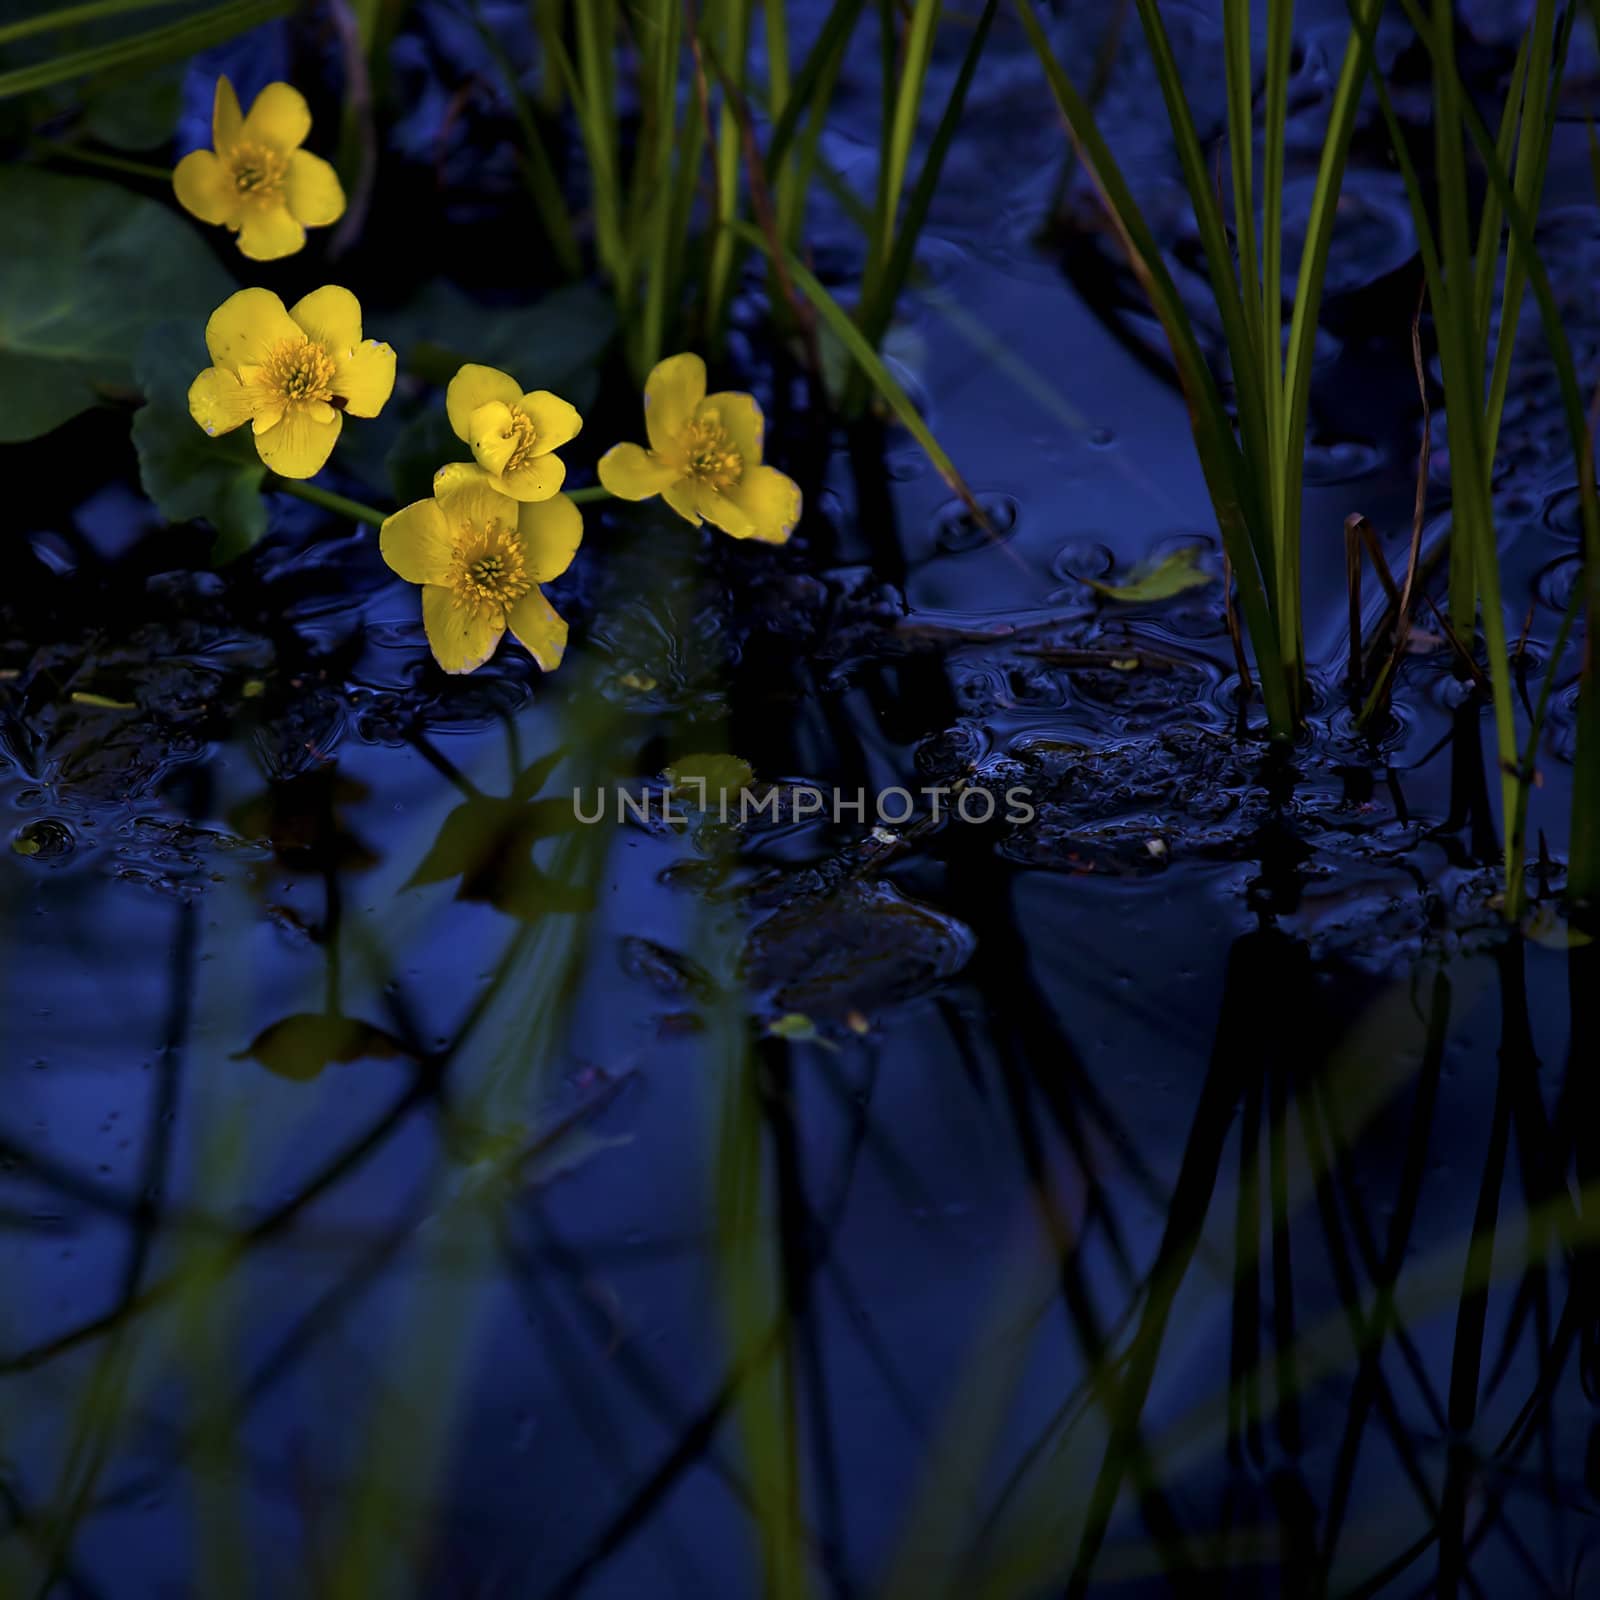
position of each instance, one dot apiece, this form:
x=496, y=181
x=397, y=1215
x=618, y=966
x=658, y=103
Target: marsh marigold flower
x=257, y=181
x=704, y=458
x=513, y=436
x=480, y=558
x=291, y=374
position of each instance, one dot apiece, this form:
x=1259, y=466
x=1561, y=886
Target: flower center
x=487, y=571
x=300, y=370
x=257, y=171
x=712, y=459
x=520, y=434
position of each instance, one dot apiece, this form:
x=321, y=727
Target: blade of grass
x=1219, y=451
x=850, y=336
x=75, y=16
x=151, y=49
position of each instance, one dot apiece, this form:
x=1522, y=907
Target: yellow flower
x=290, y=374
x=513, y=435
x=704, y=458
x=258, y=182
x=480, y=558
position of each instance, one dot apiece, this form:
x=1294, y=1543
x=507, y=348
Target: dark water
x=1137, y=1149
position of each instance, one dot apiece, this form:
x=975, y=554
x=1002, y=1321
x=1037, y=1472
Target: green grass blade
x=1220, y=458
x=151, y=49
x=75, y=16
x=897, y=154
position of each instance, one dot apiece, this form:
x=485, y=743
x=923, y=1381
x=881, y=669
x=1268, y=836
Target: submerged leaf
x=488, y=842
x=706, y=779
x=1159, y=580
x=301, y=1046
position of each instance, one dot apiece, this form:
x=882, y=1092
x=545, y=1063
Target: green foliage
x=188, y=475
x=1161, y=580
x=205, y=26
x=87, y=268
x=303, y=1046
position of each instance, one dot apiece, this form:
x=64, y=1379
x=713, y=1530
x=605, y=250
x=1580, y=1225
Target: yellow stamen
x=521, y=436
x=711, y=457
x=487, y=570
x=299, y=370
x=257, y=172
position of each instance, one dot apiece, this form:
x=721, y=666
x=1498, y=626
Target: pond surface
x=385, y=1184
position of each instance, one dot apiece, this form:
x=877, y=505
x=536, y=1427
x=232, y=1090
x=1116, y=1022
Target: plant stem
x=585, y=496
x=93, y=158
x=329, y=501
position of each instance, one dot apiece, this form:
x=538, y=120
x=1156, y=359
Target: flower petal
x=551, y=532
x=631, y=472
x=244, y=328
x=462, y=638
x=684, y=496
x=534, y=480
x=279, y=116
x=770, y=500
x=555, y=421
x=741, y=416
x=227, y=120
x=331, y=316
x=365, y=377
x=268, y=233
x=491, y=435
x=456, y=474
x=534, y=621
x=268, y=415
x=671, y=393
x=475, y=386
x=416, y=542
x=313, y=190
x=474, y=500
x=299, y=446
x=204, y=189
x=219, y=402
x=722, y=513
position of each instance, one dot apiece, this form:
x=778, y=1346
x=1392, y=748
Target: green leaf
x=710, y=777
x=488, y=843
x=86, y=269
x=1159, y=580
x=301, y=1046
x=187, y=474
x=556, y=343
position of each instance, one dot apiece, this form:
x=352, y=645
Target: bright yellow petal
x=204, y=189
x=475, y=386
x=300, y=445
x=555, y=422
x=534, y=621
x=279, y=117
x=365, y=377
x=462, y=638
x=684, y=498
x=456, y=474
x=771, y=502
x=331, y=316
x=722, y=513
x=416, y=542
x=313, y=190
x=534, y=480
x=491, y=435
x=741, y=416
x=219, y=402
x=268, y=415
x=244, y=328
x=269, y=233
x=551, y=532
x=475, y=500
x=631, y=472
x=227, y=120
x=671, y=393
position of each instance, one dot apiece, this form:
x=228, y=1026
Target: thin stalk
x=73, y=16
x=94, y=158
x=729, y=37
x=340, y=504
